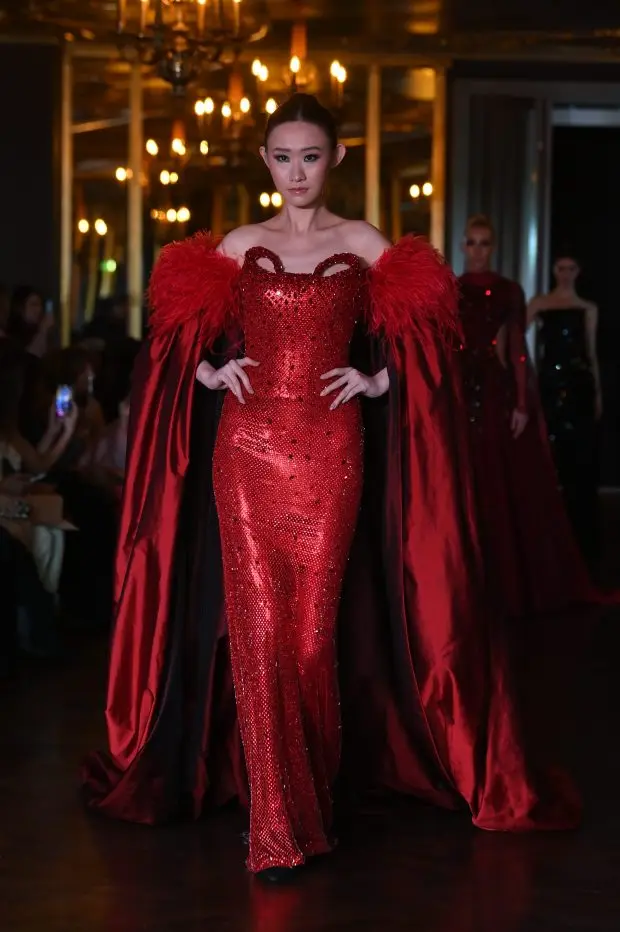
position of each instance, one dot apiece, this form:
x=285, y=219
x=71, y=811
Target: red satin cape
x=427, y=699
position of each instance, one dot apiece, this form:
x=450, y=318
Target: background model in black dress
x=569, y=386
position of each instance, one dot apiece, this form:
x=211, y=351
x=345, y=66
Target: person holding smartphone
x=18, y=454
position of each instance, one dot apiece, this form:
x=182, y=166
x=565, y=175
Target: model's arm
x=591, y=348
x=534, y=307
x=232, y=375
x=365, y=241
x=517, y=348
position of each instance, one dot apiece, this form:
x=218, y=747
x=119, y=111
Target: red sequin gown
x=531, y=559
x=287, y=477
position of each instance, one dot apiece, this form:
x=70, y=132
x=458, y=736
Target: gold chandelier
x=180, y=37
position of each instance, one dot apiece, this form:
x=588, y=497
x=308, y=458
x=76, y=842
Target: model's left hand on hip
x=352, y=383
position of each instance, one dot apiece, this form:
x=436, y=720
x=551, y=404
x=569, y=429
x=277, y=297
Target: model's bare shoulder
x=236, y=243
x=364, y=240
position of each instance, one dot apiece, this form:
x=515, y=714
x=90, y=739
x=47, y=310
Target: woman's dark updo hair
x=303, y=108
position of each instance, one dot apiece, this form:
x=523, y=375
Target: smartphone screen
x=64, y=400
x=49, y=308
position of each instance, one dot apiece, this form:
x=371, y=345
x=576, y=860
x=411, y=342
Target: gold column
x=395, y=197
x=135, y=232
x=438, y=162
x=373, y=146
x=66, y=196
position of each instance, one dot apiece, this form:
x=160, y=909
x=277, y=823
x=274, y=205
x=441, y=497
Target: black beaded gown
x=567, y=391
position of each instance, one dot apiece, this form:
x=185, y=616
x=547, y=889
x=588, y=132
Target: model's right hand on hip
x=231, y=376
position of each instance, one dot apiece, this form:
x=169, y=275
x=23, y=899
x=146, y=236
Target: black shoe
x=278, y=874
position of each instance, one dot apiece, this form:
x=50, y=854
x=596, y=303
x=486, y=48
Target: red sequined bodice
x=298, y=325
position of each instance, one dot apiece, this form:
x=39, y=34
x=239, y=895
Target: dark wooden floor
x=409, y=868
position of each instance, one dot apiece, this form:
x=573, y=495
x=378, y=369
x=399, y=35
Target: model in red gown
x=531, y=560
x=287, y=476
x=307, y=551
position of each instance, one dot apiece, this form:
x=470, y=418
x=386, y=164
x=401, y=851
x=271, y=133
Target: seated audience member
x=28, y=323
x=17, y=454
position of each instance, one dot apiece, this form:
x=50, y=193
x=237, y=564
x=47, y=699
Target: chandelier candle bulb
x=120, y=15
x=202, y=8
x=237, y=15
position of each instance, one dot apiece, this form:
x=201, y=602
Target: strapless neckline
x=353, y=263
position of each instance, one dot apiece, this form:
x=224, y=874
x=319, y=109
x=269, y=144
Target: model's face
x=33, y=309
x=566, y=272
x=299, y=156
x=478, y=249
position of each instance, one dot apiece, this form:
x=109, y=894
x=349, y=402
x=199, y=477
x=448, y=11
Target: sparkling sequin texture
x=288, y=479
x=484, y=310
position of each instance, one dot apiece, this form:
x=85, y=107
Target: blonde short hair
x=480, y=222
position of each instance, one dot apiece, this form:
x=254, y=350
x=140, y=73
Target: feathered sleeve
x=192, y=283
x=413, y=291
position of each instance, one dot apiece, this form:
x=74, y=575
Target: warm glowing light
x=154, y=214
x=226, y=111
x=183, y=215
x=171, y=215
x=414, y=190
x=244, y=105
x=257, y=66
x=276, y=199
x=165, y=177
x=122, y=174
x=335, y=68
x=199, y=108
x=209, y=105
x=101, y=227
x=173, y=177
x=271, y=106
x=204, y=147
x=295, y=64
x=427, y=189
x=151, y=147
x=178, y=146
x=263, y=74
x=264, y=199
x=341, y=77
x=83, y=226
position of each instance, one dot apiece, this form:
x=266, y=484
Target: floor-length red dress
x=531, y=559
x=287, y=476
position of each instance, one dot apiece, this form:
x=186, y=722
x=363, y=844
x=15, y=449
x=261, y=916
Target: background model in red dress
x=531, y=559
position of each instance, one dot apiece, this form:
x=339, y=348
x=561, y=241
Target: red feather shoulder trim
x=191, y=281
x=413, y=289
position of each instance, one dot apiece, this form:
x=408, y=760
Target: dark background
x=585, y=219
x=30, y=166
